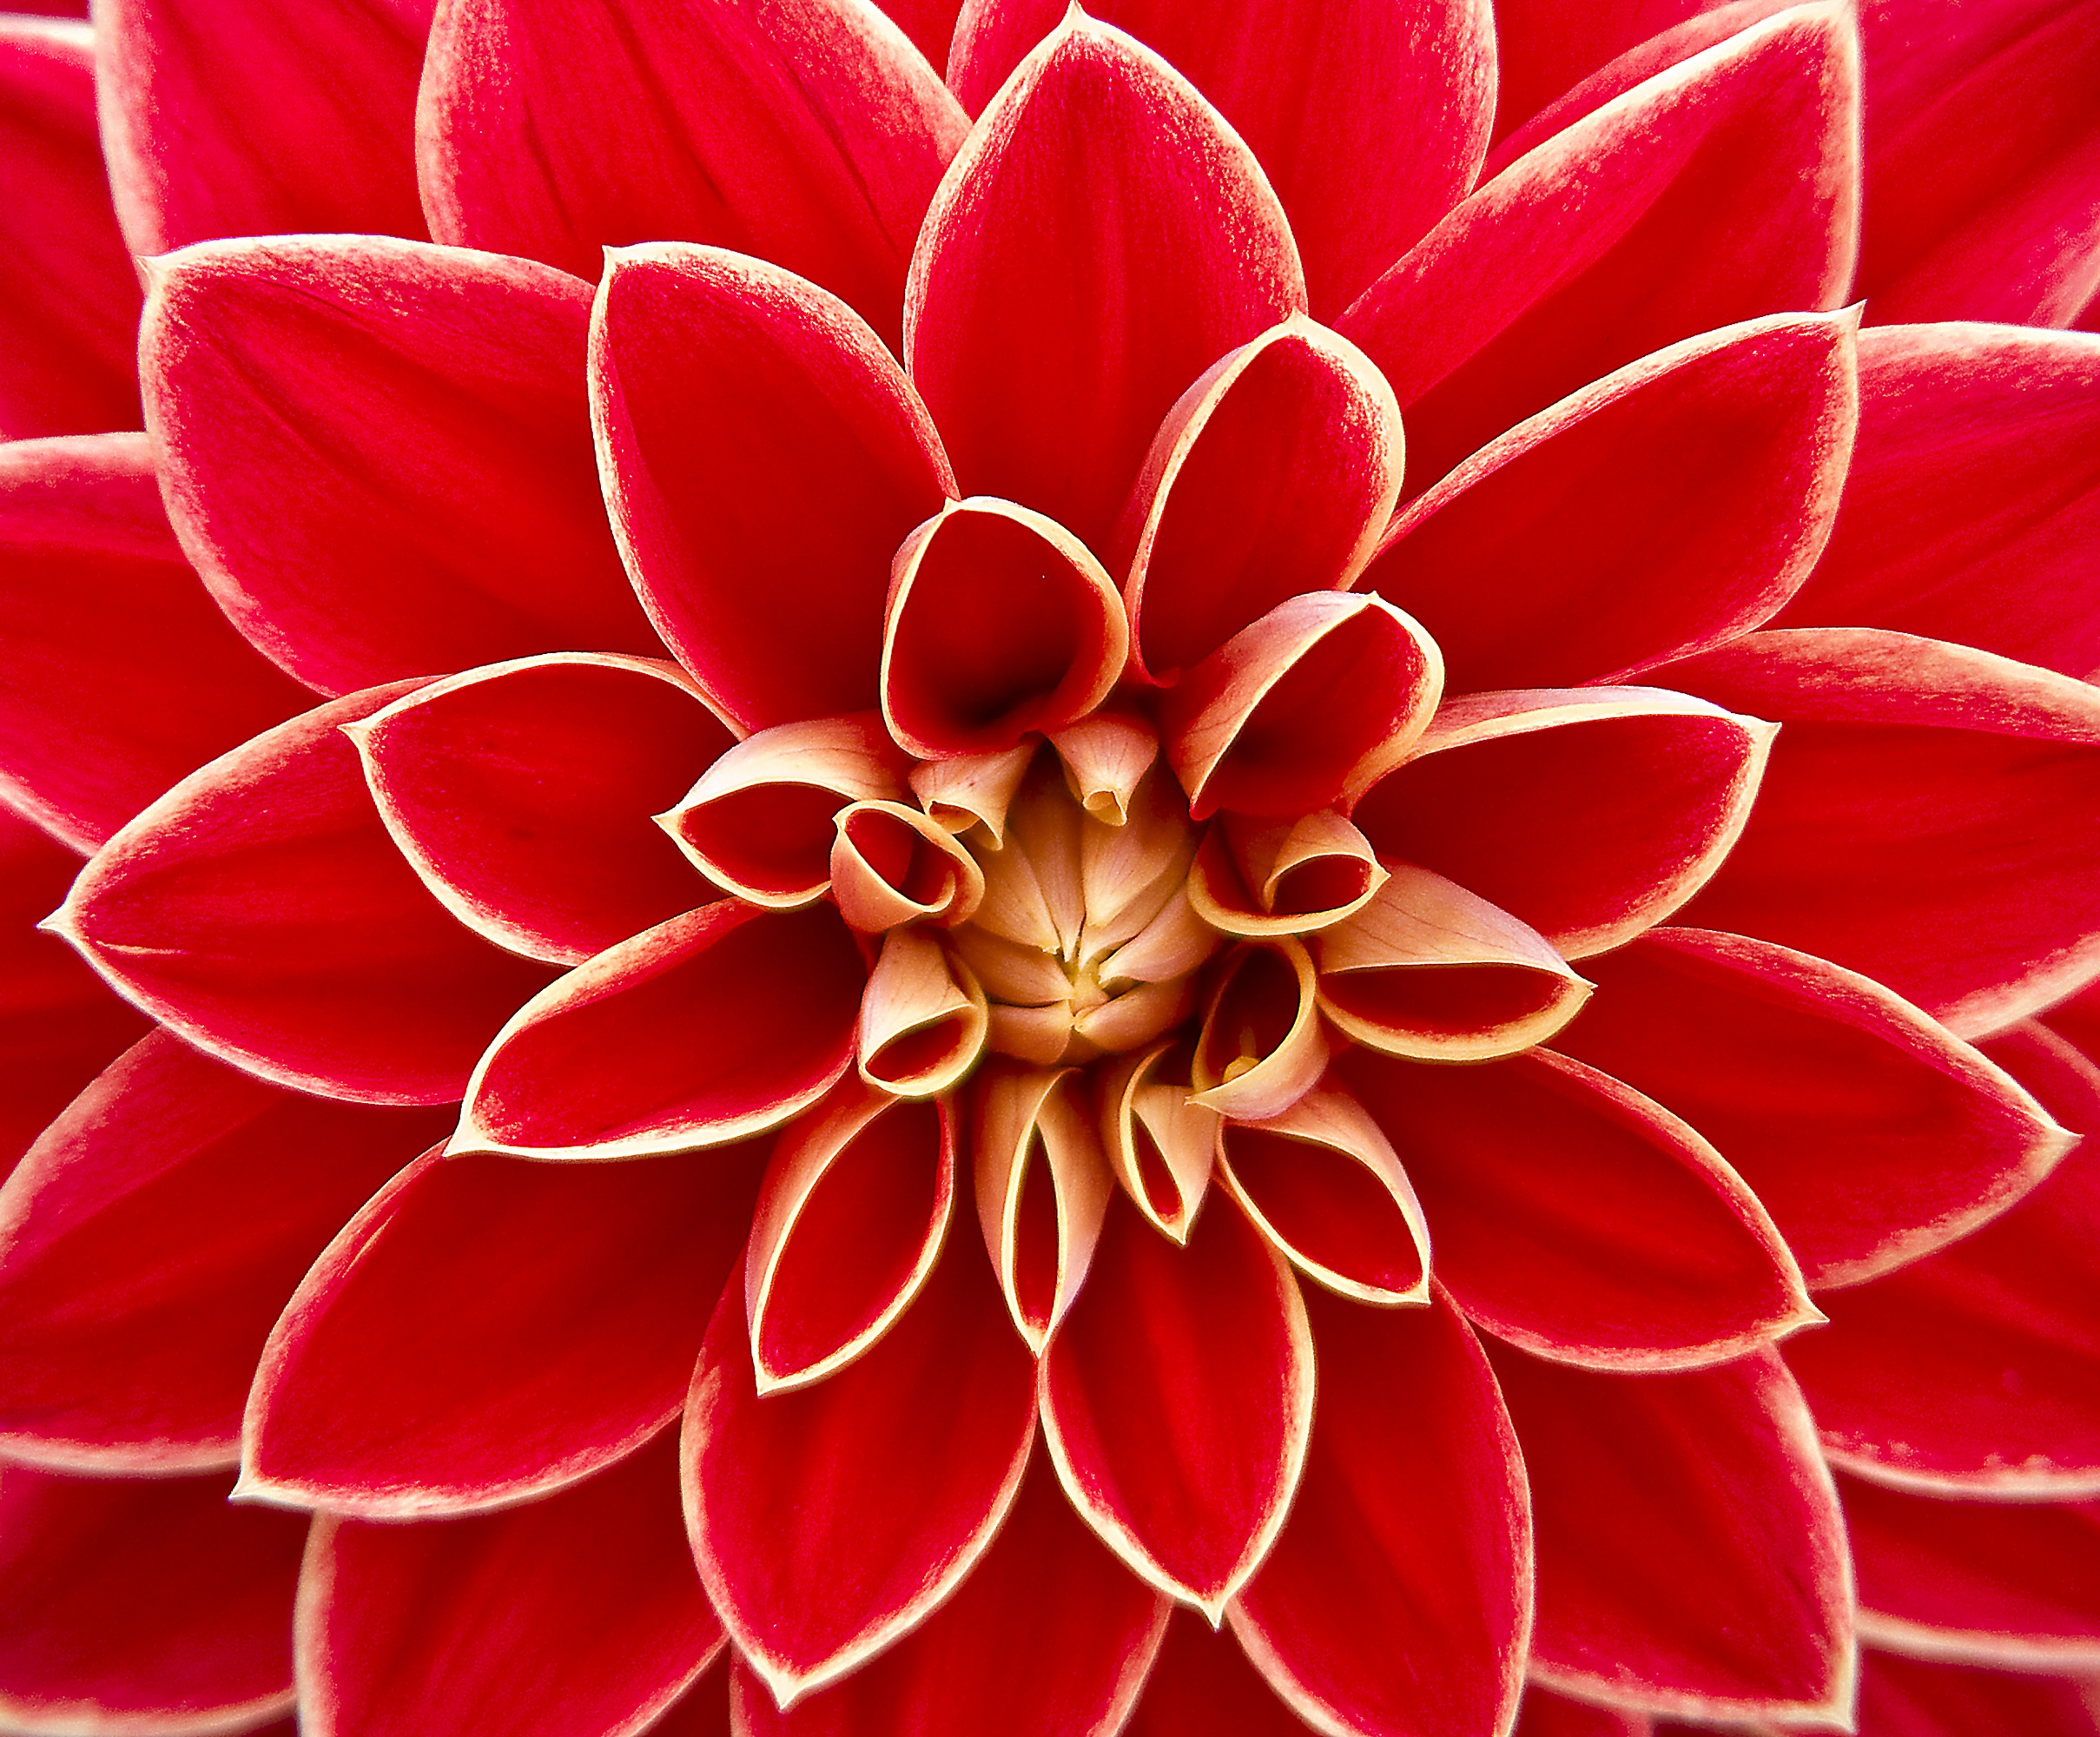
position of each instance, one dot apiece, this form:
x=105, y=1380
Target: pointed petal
x=69, y=301
x=577, y=1614
x=1048, y=1635
x=1722, y=190
x=523, y=794
x=486, y=1331
x=811, y=134
x=1667, y=508
x=1261, y=1046
x=1398, y=1599
x=1043, y=1186
x=1578, y=1220
x=1589, y=814
x=1106, y=756
x=1273, y=474
x=1177, y=1400
x=1924, y=818
x=1869, y=1134
x=762, y=456
x=923, y=1020
x=142, y=1605
x=259, y=117
x=711, y=1027
x=1202, y=1686
x=1160, y=1142
x=1906, y=1698
x=133, y=1302
x=1691, y=1555
x=974, y=789
x=1049, y=357
x=918, y=1449
x=259, y=909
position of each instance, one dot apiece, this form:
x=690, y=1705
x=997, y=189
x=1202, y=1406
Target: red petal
x=830, y=1520
x=1665, y=509
x=1177, y=1400
x=750, y=424
x=1100, y=240
x=929, y=24
x=1722, y=189
x=1544, y=1713
x=149, y=1241
x=710, y=1027
x=1049, y=1636
x=69, y=301
x=1398, y=1599
x=1546, y=47
x=1691, y=1555
x=1972, y=508
x=1589, y=814
x=261, y=117
x=1578, y=1220
x=1904, y=1698
x=1870, y=1135
x=577, y=1614
x=123, y=674
x=1928, y=818
x=260, y=910
x=525, y=795
x=488, y=1330
x=142, y=1605
x=704, y=1709
x=1202, y=1686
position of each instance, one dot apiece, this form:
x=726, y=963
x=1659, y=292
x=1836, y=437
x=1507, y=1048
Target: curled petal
x=1273, y=474
x=122, y=675
x=1291, y=878
x=762, y=456
x=1160, y=1142
x=999, y=623
x=1927, y=818
x=524, y=794
x=578, y=1613
x=923, y=1020
x=1105, y=757
x=921, y=1442
x=1590, y=813
x=1665, y=509
x=305, y=390
x=892, y=864
x=972, y=789
x=761, y=821
x=1177, y=1400
x=1691, y=1554
x=1427, y=969
x=486, y=1331
x=1580, y=1220
x=1029, y=1130
x=259, y=909
x=1101, y=238
x=1260, y=1048
x=1307, y=706
x=1871, y=1134
x=851, y=1217
x=713, y=1027
x=1322, y=1183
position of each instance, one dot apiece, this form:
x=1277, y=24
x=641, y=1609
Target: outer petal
x=259, y=117
x=1544, y=1713
x=1314, y=90
x=1546, y=47
x=1398, y=1599
x=377, y=453
x=259, y=909
x=69, y=302
x=1099, y=241
x=150, y=1237
x=1578, y=1219
x=1176, y=1401
x=525, y=796
x=1665, y=509
x=1048, y=1635
x=1202, y=1686
x=764, y=457
x=1931, y=817
x=575, y=1616
x=142, y=1607
x=715, y=1026
x=1905, y=1698
x=830, y=1520
x=810, y=132
x=1691, y=1555
x=1589, y=814
x=1972, y=511
x=486, y=1331
x=1722, y=190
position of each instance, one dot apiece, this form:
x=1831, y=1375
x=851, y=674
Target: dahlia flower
x=1209, y=869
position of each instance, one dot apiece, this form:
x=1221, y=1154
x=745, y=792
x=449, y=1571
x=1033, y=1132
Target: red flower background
x=1224, y=869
